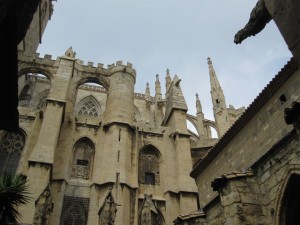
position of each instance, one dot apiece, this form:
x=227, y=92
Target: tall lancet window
x=84, y=150
x=149, y=165
x=11, y=147
x=89, y=107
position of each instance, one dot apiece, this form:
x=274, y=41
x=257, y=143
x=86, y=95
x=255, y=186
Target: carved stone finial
x=147, y=92
x=168, y=71
x=209, y=60
x=70, y=53
x=198, y=104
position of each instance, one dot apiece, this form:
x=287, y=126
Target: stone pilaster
x=240, y=198
x=42, y=156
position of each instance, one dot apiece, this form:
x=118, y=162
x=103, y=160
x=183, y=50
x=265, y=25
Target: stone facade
x=102, y=154
x=93, y=150
x=251, y=175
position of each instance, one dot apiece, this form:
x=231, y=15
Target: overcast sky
x=177, y=34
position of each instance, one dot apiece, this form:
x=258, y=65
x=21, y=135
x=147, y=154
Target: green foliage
x=13, y=193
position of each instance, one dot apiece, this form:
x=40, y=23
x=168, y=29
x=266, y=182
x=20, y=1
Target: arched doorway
x=290, y=204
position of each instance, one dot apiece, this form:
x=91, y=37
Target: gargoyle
x=259, y=17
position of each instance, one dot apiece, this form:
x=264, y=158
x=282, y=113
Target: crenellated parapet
x=36, y=64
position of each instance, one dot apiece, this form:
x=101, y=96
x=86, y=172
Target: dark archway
x=290, y=205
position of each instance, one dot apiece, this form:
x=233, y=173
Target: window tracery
x=42, y=103
x=89, y=108
x=75, y=211
x=11, y=147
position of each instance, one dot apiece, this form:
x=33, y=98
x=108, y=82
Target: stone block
x=229, y=199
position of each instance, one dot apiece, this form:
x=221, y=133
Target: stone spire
x=175, y=100
x=147, y=92
x=218, y=100
x=168, y=80
x=198, y=104
x=216, y=90
x=202, y=131
x=157, y=87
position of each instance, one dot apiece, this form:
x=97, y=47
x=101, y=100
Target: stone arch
x=193, y=121
x=210, y=127
x=83, y=158
x=89, y=106
x=149, y=165
x=101, y=80
x=37, y=70
x=11, y=149
x=288, y=202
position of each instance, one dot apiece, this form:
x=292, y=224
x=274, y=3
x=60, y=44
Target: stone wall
x=256, y=137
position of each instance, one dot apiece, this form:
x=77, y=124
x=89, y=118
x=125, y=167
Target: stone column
x=113, y=162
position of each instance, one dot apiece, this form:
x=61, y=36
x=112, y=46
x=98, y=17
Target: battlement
x=89, y=63
x=120, y=67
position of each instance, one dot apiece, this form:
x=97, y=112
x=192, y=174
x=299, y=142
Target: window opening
x=11, y=147
x=149, y=178
x=149, y=166
x=282, y=99
x=89, y=108
x=82, y=159
x=82, y=162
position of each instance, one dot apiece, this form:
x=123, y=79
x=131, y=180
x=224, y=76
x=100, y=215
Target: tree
x=13, y=193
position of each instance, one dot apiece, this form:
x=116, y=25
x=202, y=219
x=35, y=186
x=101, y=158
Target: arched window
x=89, y=107
x=149, y=166
x=25, y=96
x=74, y=211
x=84, y=150
x=11, y=147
